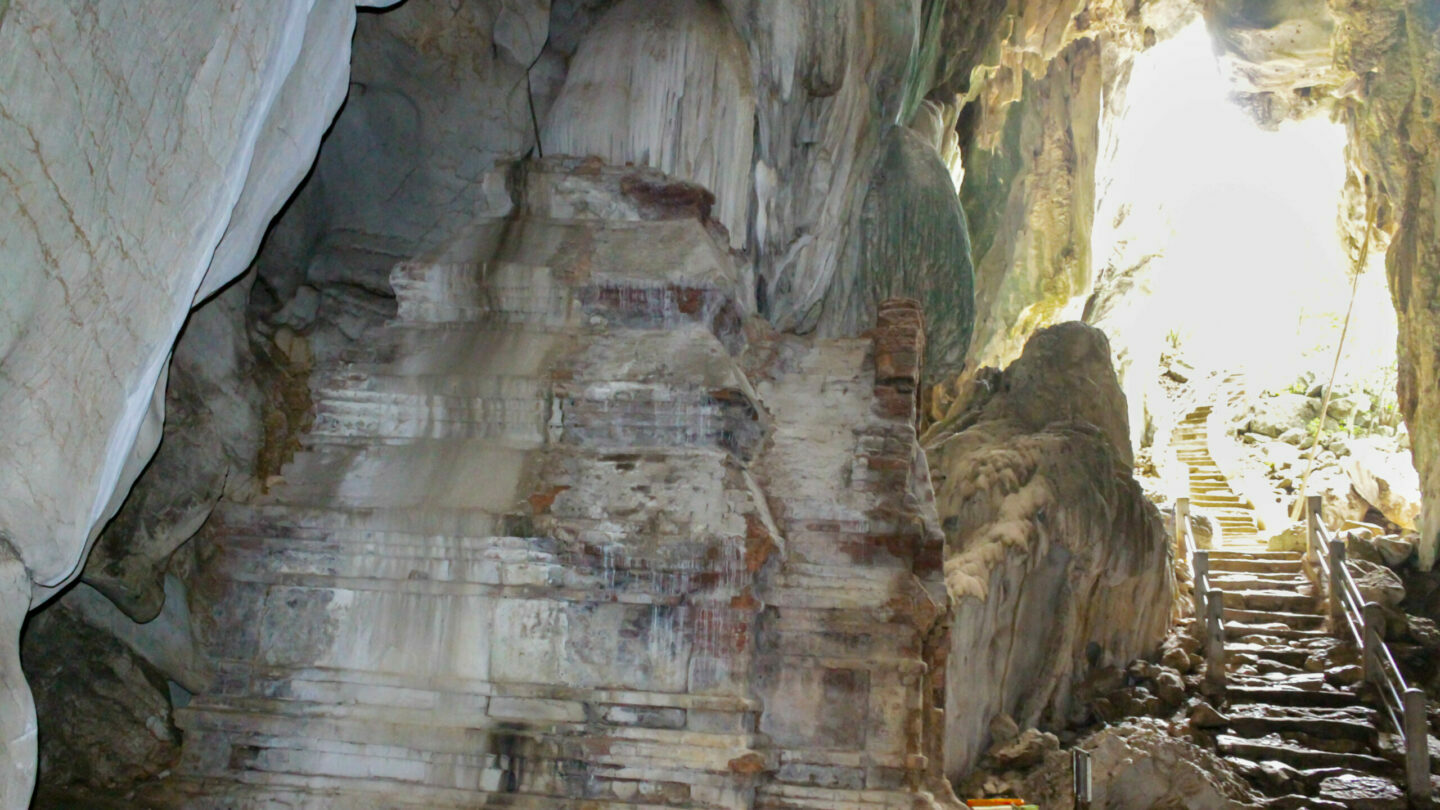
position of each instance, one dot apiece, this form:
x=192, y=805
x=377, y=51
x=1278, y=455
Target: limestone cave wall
x=148, y=148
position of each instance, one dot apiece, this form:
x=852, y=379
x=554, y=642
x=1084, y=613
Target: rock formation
x=1055, y=561
x=565, y=529
x=811, y=151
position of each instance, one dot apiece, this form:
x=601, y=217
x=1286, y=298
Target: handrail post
x=1336, y=585
x=1200, y=566
x=1374, y=637
x=1084, y=795
x=1182, y=522
x=1215, y=638
x=1417, y=746
x=1312, y=524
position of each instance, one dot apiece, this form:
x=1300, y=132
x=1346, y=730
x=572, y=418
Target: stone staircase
x=1297, y=723
x=1210, y=492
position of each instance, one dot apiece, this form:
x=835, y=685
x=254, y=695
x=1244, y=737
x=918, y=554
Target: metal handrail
x=1404, y=705
x=1208, y=602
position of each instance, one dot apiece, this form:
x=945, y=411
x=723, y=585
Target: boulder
x=105, y=715
x=1169, y=686
x=1377, y=583
x=1175, y=658
x=1395, y=550
x=1362, y=792
x=1386, y=481
x=1296, y=436
x=1205, y=716
x=1294, y=537
x=1340, y=501
x=1056, y=564
x=1274, y=415
x=1423, y=632
x=1022, y=752
x=1360, y=543
x=1279, y=455
x=1139, y=763
x=1003, y=729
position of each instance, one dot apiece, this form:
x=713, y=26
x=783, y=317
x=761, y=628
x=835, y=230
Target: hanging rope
x=1298, y=509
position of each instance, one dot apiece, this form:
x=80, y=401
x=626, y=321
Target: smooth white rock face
x=127, y=137
x=18, y=731
x=667, y=87
x=828, y=82
x=143, y=150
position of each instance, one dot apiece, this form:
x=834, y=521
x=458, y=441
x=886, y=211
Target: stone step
x=1220, y=562
x=1243, y=692
x=806, y=796
x=1269, y=630
x=1275, y=748
x=1261, y=724
x=1288, y=601
x=1308, y=681
x=1214, y=496
x=1299, y=621
x=1352, y=713
x=1256, y=581
x=1287, y=655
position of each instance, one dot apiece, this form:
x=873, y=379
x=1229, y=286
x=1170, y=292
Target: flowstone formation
x=566, y=531
x=140, y=193
x=1055, y=562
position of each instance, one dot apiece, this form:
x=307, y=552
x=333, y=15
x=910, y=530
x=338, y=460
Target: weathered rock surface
x=1031, y=248
x=83, y=253
x=911, y=241
x=1386, y=481
x=106, y=713
x=1055, y=561
x=209, y=446
x=1387, y=57
x=1377, y=583
x=132, y=189
x=1139, y=764
x=669, y=87
x=552, y=534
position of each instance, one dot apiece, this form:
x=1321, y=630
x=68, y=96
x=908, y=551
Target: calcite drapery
x=567, y=530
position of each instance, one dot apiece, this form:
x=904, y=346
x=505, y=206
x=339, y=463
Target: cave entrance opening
x=1225, y=255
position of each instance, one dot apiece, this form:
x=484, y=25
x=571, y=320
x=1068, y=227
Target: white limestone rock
x=665, y=86
x=143, y=150
x=829, y=81
x=19, y=744
x=123, y=237
x=1387, y=481
x=911, y=242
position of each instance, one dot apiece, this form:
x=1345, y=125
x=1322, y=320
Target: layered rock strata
x=566, y=533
